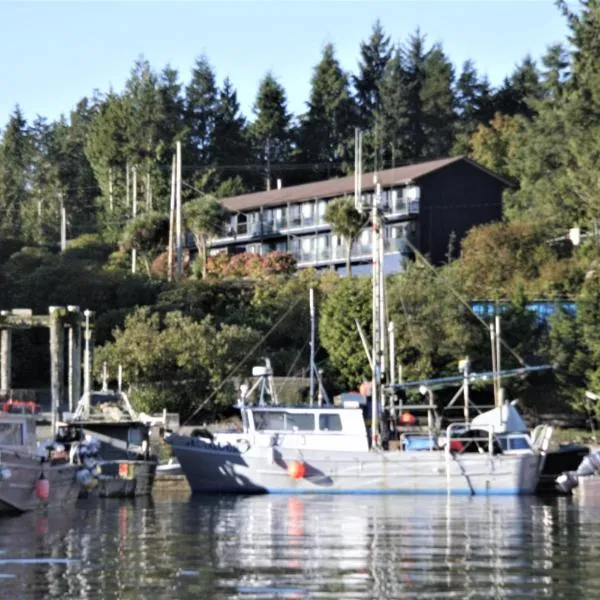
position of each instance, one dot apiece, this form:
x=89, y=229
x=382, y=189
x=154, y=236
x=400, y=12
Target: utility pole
x=178, y=212
x=171, y=219
x=133, y=214
x=63, y=224
x=111, y=205
x=127, y=184
x=148, y=192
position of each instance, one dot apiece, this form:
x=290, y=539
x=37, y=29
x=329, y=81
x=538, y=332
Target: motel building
x=426, y=204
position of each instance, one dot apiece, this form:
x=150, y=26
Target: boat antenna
x=312, y=344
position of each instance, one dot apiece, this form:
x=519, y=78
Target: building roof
x=331, y=188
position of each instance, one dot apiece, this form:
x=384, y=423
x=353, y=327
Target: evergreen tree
x=473, y=103
x=77, y=180
x=201, y=99
x=585, y=80
x=391, y=117
x=374, y=56
x=520, y=92
x=105, y=148
x=415, y=65
x=41, y=213
x=326, y=129
x=438, y=104
x=270, y=131
x=14, y=164
x=555, y=75
x=230, y=142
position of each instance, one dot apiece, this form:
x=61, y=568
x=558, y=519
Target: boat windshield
x=295, y=421
x=11, y=434
x=514, y=442
x=283, y=421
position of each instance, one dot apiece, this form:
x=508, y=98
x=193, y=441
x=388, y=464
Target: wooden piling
x=5, y=359
x=56, y=314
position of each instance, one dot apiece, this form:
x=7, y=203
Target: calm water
x=305, y=547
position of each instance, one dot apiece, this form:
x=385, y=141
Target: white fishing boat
x=327, y=449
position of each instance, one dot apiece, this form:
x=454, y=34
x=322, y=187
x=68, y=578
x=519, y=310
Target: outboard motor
x=569, y=480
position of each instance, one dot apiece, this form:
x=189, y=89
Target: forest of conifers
x=178, y=340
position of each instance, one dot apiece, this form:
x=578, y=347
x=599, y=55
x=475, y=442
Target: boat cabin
x=18, y=432
x=315, y=428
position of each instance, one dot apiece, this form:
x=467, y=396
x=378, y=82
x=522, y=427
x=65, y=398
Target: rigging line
x=299, y=353
x=246, y=357
x=462, y=300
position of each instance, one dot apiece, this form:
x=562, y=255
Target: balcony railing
x=338, y=253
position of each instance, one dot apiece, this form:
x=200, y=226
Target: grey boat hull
x=18, y=492
x=123, y=479
x=209, y=468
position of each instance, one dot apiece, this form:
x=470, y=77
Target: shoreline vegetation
x=187, y=345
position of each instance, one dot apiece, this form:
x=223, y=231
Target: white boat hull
x=210, y=468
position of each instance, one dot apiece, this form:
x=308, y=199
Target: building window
x=242, y=224
x=321, y=208
x=308, y=209
x=295, y=216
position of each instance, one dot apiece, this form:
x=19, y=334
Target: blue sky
x=54, y=53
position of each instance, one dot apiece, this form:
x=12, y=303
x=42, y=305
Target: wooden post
x=56, y=360
x=74, y=357
x=5, y=359
x=87, y=361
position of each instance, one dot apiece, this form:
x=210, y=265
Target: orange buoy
x=42, y=488
x=296, y=469
x=407, y=418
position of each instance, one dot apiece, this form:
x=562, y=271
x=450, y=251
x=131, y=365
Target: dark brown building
x=425, y=204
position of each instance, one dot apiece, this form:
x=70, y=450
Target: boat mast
x=376, y=283
x=312, y=345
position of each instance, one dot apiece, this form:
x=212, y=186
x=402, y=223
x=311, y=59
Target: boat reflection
x=304, y=547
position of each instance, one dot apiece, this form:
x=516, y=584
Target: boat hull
x=209, y=468
x=123, y=479
x=18, y=492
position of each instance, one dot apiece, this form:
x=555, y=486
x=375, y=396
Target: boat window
x=11, y=434
x=135, y=436
x=283, y=421
x=270, y=421
x=300, y=421
x=330, y=423
x=519, y=443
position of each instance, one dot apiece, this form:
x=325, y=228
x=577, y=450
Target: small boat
x=31, y=478
x=588, y=469
x=111, y=444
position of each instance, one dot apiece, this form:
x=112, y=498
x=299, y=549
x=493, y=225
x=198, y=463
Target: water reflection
x=304, y=547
